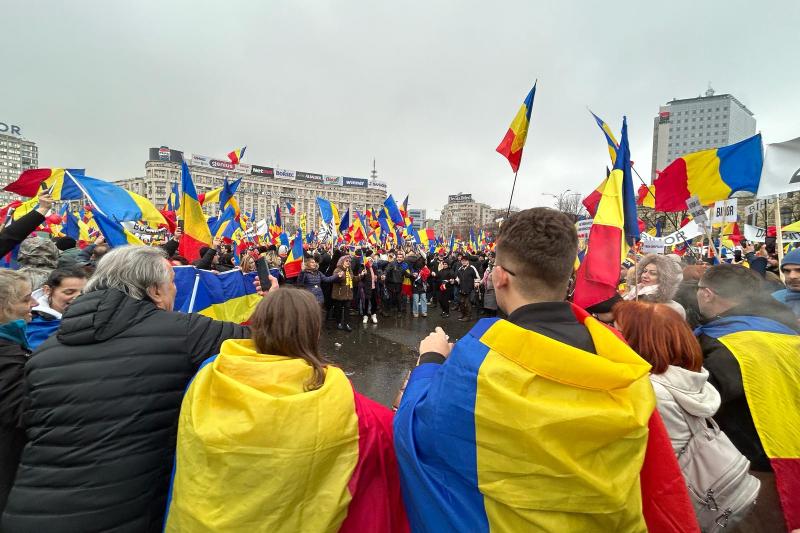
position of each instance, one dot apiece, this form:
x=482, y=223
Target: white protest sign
x=725, y=211
x=686, y=233
x=583, y=227
x=696, y=210
x=652, y=247
x=756, y=234
x=757, y=206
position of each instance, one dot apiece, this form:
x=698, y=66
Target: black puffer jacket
x=13, y=356
x=104, y=397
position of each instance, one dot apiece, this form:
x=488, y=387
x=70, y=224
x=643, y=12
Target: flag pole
x=508, y=211
x=779, y=234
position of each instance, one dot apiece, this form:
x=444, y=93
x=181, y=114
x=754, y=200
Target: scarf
x=638, y=290
x=348, y=278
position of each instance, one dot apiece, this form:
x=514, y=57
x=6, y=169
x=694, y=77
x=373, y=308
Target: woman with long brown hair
x=662, y=338
x=272, y=438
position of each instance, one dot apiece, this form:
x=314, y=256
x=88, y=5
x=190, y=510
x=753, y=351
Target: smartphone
x=263, y=273
x=180, y=224
x=737, y=255
x=44, y=187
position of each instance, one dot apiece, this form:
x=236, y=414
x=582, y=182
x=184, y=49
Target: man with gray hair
x=104, y=394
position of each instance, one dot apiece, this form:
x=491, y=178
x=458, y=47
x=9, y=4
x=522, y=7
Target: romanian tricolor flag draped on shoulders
x=256, y=451
x=517, y=431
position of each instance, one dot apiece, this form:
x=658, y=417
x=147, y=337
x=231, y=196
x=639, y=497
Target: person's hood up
x=670, y=275
x=38, y=252
x=691, y=390
x=101, y=315
x=43, y=306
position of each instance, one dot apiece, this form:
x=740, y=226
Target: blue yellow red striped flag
x=711, y=175
x=514, y=142
x=517, y=431
x=614, y=230
x=196, y=233
x=236, y=155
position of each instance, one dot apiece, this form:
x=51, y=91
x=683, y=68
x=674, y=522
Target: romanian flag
x=328, y=211
x=294, y=261
x=229, y=296
x=512, y=144
x=30, y=182
x=344, y=224
x=393, y=211
x=174, y=199
x=767, y=355
x=591, y=201
x=290, y=207
x=237, y=155
x=614, y=230
x=115, y=234
x=711, y=175
x=613, y=145
x=115, y=202
x=107, y=198
x=321, y=460
x=646, y=196
x=278, y=221
x=517, y=431
x=357, y=232
x=71, y=228
x=196, y=233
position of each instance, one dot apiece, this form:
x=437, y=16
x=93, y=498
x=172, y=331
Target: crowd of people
x=671, y=406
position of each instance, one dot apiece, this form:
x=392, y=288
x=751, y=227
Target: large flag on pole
x=611, y=234
x=711, y=175
x=236, y=155
x=196, y=233
x=512, y=144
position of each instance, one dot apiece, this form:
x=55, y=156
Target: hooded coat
x=103, y=399
x=670, y=276
x=681, y=392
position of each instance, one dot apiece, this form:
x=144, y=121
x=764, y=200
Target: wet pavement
x=377, y=357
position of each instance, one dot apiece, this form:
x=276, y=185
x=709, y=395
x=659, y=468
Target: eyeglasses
x=504, y=268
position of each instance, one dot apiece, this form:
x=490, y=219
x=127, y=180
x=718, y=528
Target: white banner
x=688, y=232
x=583, y=227
x=652, y=247
x=781, y=171
x=725, y=211
x=756, y=234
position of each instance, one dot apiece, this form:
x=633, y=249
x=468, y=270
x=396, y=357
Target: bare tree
x=570, y=203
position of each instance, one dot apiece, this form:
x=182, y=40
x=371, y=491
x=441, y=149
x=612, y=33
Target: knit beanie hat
x=792, y=258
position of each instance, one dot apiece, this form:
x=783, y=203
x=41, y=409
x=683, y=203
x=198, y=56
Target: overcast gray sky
x=428, y=88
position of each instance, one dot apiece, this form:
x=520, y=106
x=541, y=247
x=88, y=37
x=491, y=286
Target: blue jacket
x=40, y=328
x=313, y=282
x=790, y=299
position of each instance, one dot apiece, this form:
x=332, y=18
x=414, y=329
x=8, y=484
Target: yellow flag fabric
x=520, y=432
x=257, y=453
